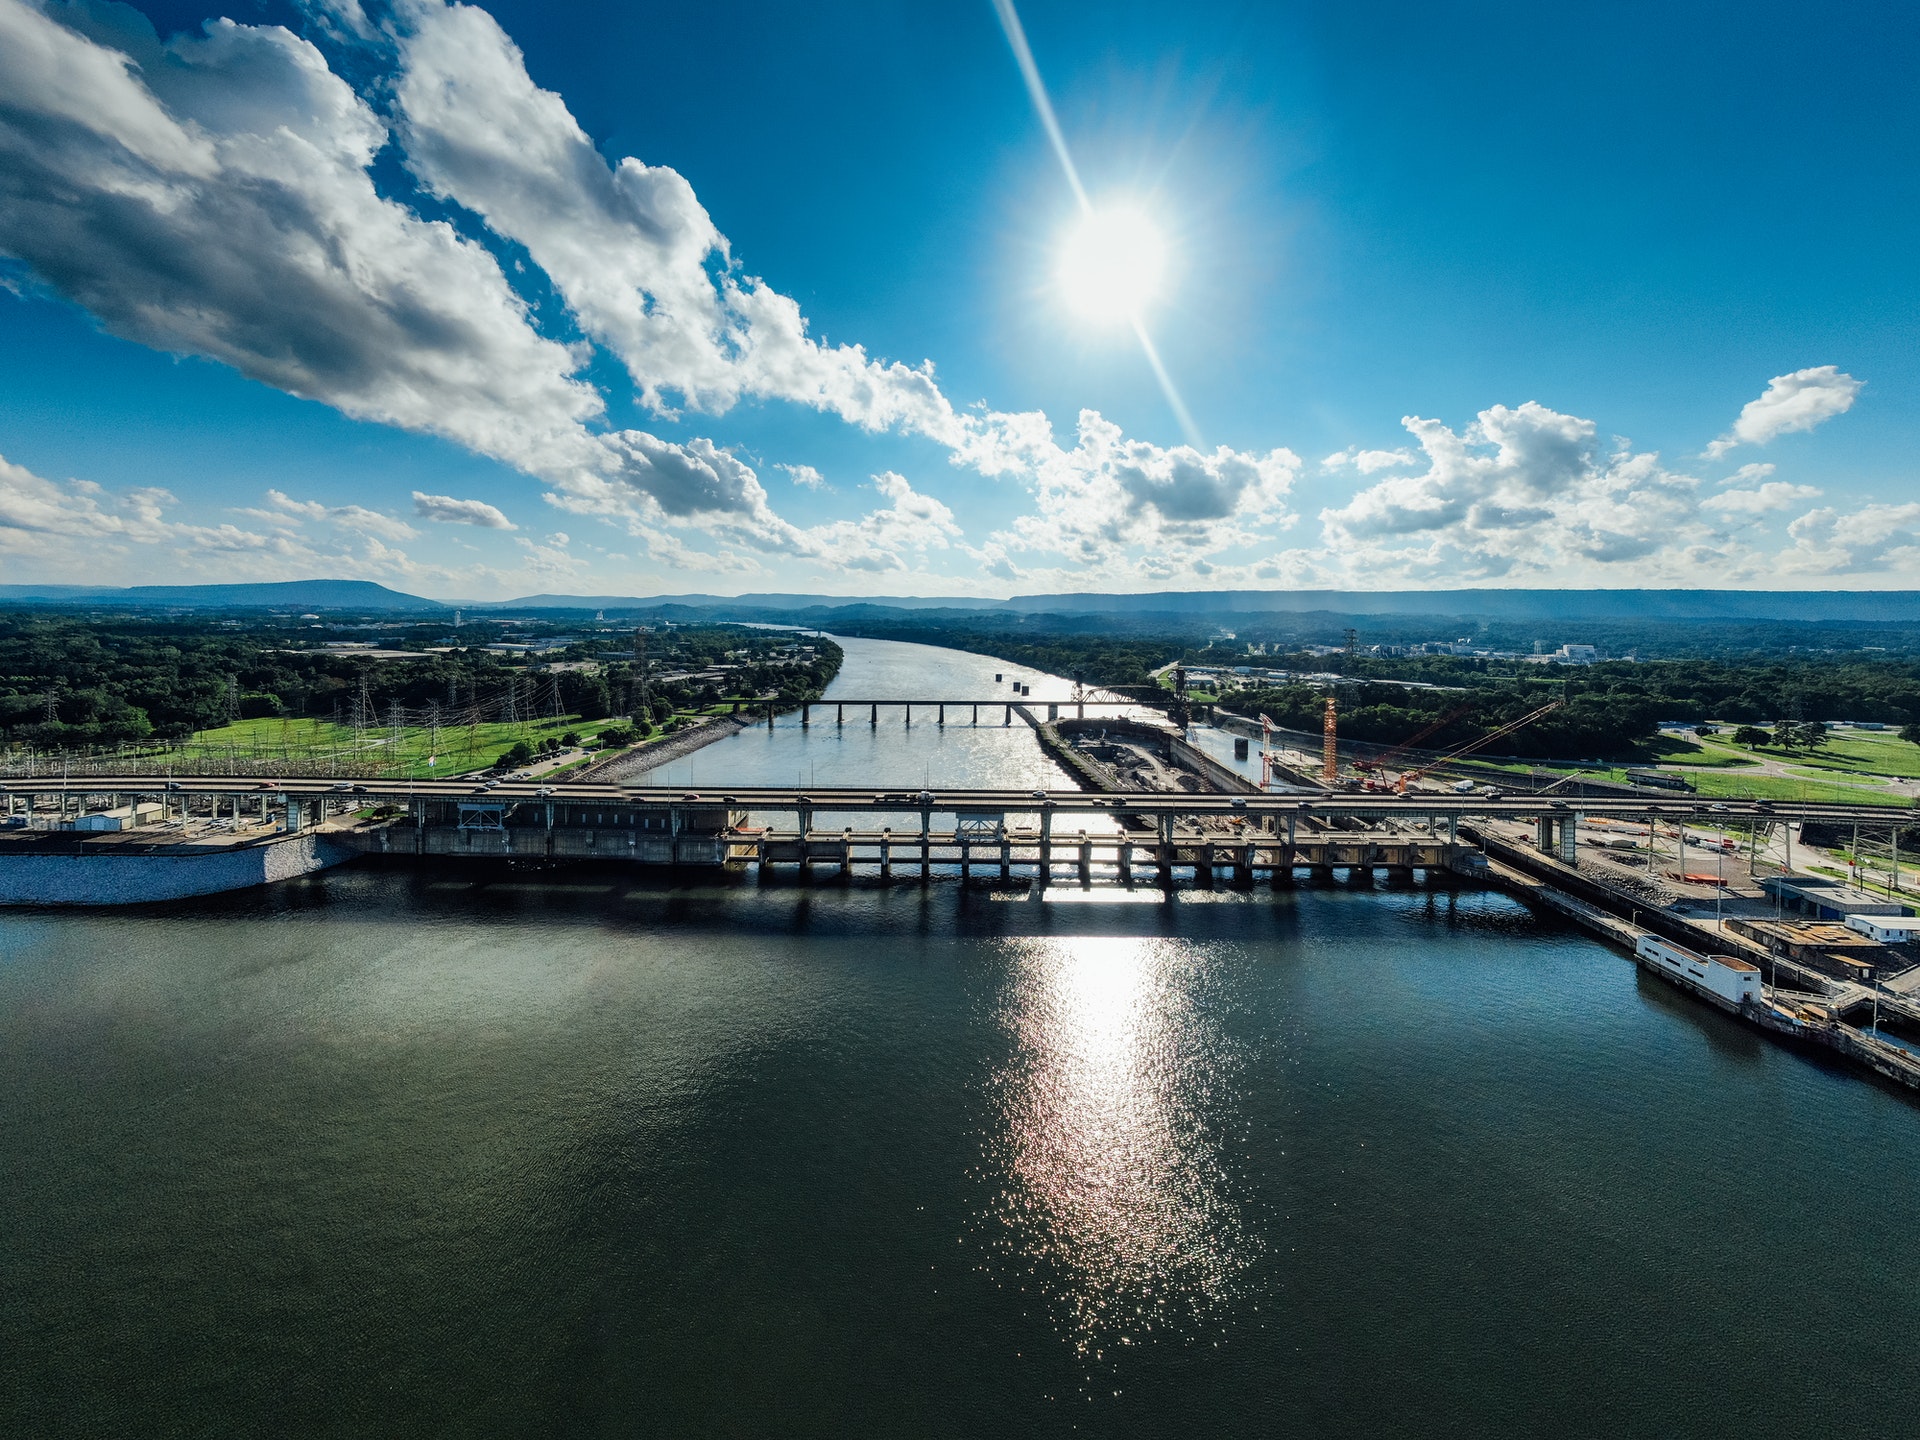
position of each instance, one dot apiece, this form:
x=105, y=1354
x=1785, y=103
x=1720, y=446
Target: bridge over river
x=1127, y=833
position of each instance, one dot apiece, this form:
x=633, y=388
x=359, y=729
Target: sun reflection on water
x=1116, y=1200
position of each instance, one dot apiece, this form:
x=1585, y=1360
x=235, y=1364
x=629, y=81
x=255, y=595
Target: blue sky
x=480, y=302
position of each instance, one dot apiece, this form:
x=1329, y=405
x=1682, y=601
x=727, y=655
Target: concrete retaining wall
x=108, y=879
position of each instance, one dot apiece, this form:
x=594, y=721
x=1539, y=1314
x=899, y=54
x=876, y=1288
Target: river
x=406, y=1152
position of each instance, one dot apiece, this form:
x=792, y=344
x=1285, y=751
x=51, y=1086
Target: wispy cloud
x=449, y=511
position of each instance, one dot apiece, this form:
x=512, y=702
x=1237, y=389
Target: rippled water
x=416, y=1152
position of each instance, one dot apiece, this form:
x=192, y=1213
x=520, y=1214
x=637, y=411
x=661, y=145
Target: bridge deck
x=868, y=800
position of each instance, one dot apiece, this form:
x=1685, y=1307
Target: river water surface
x=415, y=1152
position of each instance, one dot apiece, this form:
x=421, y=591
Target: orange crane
x=1385, y=761
x=1480, y=744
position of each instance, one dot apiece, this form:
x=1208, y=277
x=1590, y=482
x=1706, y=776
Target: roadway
x=843, y=799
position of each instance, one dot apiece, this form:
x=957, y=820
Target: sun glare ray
x=1113, y=262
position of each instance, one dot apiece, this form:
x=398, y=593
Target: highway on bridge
x=357, y=794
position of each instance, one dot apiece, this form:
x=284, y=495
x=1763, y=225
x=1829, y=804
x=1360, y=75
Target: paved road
x=1279, y=806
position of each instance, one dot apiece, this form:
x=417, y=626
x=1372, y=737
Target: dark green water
x=397, y=1154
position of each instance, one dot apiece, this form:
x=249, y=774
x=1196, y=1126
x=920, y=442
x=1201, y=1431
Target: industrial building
x=1826, y=899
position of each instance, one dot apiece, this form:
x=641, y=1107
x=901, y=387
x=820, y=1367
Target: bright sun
x=1112, y=264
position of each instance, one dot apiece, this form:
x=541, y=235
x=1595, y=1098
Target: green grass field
x=1771, y=787
x=320, y=743
x=1704, y=754
x=1854, y=777
x=1851, y=750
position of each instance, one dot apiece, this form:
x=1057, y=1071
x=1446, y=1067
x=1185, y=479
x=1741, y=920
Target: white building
x=1887, y=929
x=1722, y=975
x=125, y=818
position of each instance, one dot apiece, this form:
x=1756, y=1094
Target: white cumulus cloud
x=1790, y=403
x=1522, y=490
x=1761, y=499
x=1367, y=461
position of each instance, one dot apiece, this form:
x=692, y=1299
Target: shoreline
x=674, y=747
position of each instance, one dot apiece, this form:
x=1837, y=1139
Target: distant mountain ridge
x=307, y=594
x=1792, y=605
x=1803, y=606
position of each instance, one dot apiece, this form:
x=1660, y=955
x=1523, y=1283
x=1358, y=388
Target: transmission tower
x=233, y=698
x=51, y=711
x=1330, y=743
x=643, y=666
x=362, y=709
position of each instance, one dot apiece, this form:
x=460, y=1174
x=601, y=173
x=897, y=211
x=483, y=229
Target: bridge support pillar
x=769, y=715
x=1570, y=841
x=1282, y=871
x=1086, y=859
x=1009, y=714
x=839, y=715
x=926, y=844
x=976, y=715
x=886, y=853
x=806, y=717
x=1166, y=850
x=941, y=719
x=874, y=718
x=1046, y=848
x=1006, y=853
x=549, y=829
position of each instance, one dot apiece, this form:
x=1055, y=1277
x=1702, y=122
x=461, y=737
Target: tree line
x=72, y=681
